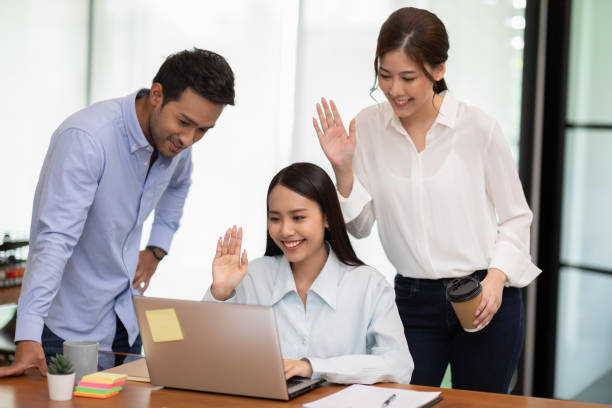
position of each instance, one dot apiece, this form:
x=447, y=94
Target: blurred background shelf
x=11, y=245
x=13, y=255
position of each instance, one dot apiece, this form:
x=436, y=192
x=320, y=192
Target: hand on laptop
x=28, y=354
x=300, y=368
x=228, y=266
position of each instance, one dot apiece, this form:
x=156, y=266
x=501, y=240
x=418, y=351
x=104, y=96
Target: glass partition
x=584, y=327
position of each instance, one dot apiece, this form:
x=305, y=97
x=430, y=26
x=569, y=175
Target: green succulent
x=60, y=364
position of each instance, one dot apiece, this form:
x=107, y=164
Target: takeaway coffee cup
x=465, y=295
x=84, y=357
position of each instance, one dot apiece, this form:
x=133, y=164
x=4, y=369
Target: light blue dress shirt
x=91, y=200
x=350, y=329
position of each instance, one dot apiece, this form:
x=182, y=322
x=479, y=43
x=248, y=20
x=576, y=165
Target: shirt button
x=149, y=148
x=133, y=147
x=146, y=163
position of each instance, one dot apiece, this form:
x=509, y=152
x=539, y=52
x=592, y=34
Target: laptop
x=226, y=348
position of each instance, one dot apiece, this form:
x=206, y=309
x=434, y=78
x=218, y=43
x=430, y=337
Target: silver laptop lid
x=226, y=348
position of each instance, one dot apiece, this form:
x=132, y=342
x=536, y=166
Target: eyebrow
x=403, y=72
x=291, y=212
x=193, y=122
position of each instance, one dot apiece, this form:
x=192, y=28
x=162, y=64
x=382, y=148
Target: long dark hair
x=420, y=34
x=312, y=182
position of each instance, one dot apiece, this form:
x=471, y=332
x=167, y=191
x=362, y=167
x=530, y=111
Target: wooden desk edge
x=31, y=390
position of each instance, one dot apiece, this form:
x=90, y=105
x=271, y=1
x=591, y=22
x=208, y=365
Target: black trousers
x=480, y=361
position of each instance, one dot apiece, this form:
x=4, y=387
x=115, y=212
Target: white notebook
x=367, y=396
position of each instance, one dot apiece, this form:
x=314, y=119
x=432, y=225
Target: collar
x=447, y=115
x=325, y=285
x=135, y=135
x=283, y=282
x=448, y=110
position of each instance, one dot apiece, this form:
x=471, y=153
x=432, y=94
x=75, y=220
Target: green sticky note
x=164, y=325
x=102, y=391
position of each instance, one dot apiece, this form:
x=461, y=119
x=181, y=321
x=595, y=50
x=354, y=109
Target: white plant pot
x=60, y=386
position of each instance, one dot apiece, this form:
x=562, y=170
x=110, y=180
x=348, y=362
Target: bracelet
x=154, y=252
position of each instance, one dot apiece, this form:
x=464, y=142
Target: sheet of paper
x=164, y=325
x=367, y=396
x=136, y=370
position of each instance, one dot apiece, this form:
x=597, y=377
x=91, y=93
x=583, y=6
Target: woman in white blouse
x=336, y=317
x=438, y=176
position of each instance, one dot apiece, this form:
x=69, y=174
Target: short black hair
x=206, y=72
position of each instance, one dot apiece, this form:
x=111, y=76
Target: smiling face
x=405, y=85
x=296, y=225
x=180, y=123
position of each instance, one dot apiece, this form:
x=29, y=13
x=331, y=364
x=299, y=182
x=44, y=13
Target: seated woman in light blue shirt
x=336, y=317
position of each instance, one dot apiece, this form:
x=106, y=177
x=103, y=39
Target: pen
x=388, y=401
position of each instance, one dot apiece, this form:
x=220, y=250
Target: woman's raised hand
x=339, y=147
x=228, y=266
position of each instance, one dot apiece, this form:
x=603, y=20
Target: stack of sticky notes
x=100, y=385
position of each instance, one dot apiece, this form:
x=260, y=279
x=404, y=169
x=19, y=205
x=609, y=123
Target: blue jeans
x=53, y=344
x=480, y=361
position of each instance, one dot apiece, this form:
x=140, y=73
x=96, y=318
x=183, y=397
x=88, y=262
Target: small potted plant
x=60, y=378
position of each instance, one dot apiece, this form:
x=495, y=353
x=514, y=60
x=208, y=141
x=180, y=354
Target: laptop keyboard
x=294, y=381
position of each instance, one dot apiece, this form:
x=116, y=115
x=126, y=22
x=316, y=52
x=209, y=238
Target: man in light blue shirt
x=107, y=167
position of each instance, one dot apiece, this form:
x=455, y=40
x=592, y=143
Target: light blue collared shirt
x=91, y=200
x=350, y=329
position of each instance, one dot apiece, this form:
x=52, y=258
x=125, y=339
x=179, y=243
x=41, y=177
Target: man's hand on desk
x=147, y=264
x=300, y=368
x=28, y=354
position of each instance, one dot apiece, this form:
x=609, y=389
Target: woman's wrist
x=497, y=276
x=344, y=180
x=220, y=293
x=308, y=372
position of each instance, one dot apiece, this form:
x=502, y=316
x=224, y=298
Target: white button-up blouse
x=456, y=207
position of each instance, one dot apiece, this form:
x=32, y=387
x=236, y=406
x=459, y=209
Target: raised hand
x=228, y=267
x=338, y=146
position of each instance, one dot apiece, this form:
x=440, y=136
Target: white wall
x=286, y=54
x=43, y=77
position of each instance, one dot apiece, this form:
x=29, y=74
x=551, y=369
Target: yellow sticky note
x=104, y=378
x=164, y=325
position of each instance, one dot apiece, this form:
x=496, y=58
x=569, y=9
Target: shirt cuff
x=29, y=327
x=515, y=264
x=353, y=204
x=318, y=366
x=208, y=297
x=161, y=237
